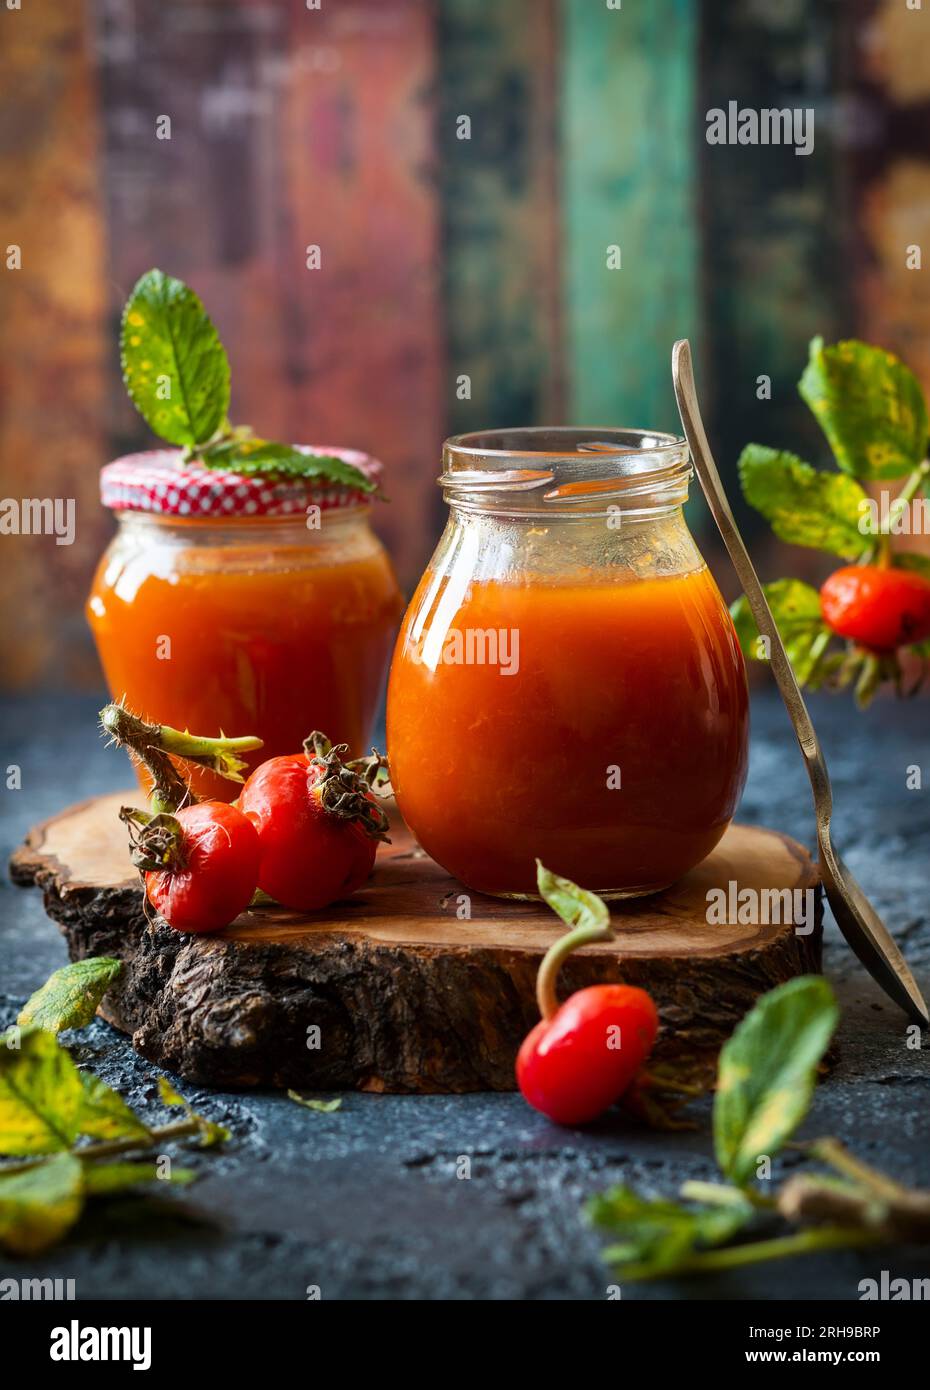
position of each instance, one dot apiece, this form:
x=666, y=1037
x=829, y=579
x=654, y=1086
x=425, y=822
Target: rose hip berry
x=879, y=608
x=318, y=824
x=200, y=863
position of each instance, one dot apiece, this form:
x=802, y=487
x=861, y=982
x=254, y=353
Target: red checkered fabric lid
x=159, y=481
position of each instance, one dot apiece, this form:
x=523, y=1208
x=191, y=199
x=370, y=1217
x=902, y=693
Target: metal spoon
x=855, y=916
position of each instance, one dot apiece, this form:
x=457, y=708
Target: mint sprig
x=176, y=371
x=174, y=366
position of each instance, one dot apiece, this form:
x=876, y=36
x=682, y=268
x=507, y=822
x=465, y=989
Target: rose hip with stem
x=582, y=1056
x=198, y=860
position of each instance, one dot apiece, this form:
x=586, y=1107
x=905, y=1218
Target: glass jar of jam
x=243, y=604
x=567, y=684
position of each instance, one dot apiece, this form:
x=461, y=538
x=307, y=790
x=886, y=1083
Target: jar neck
x=567, y=473
x=272, y=531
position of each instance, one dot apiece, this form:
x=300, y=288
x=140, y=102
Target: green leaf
x=805, y=506
x=576, y=906
x=106, y=1115
x=655, y=1235
x=210, y=1133
x=174, y=365
x=870, y=407
x=767, y=1072
x=262, y=456
x=38, y=1206
x=100, y=1179
x=911, y=560
x=41, y=1093
x=69, y=998
x=796, y=609
x=326, y=1107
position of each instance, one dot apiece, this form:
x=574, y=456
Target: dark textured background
x=365, y=1202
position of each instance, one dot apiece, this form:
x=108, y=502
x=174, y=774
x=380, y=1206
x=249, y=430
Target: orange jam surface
x=272, y=650
x=639, y=676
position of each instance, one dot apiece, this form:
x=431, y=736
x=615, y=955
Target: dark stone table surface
x=366, y=1202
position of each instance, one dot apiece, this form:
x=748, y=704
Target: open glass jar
x=243, y=605
x=567, y=684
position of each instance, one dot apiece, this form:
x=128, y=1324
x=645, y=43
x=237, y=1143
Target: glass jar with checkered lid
x=248, y=604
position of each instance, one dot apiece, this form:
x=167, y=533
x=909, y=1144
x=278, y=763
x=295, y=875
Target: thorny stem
x=912, y=486
x=154, y=745
x=106, y=1148
x=832, y=1152
x=557, y=954
x=142, y=742
x=735, y=1256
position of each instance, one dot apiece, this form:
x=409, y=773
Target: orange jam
x=600, y=727
x=255, y=627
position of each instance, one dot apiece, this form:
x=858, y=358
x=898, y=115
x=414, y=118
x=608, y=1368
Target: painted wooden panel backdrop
x=442, y=257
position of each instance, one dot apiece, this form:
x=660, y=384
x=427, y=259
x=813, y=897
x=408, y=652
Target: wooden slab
x=392, y=990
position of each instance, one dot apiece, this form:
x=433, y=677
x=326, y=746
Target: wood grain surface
x=407, y=992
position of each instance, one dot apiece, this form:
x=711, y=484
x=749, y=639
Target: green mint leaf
x=804, y=506
x=69, y=998
x=210, y=1133
x=100, y=1179
x=263, y=456
x=40, y=1205
x=174, y=365
x=576, y=906
x=653, y=1235
x=870, y=407
x=106, y=1115
x=796, y=609
x=325, y=1107
x=41, y=1093
x=910, y=560
x=767, y=1072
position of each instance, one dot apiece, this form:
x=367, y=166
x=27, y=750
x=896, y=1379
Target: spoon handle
x=858, y=920
x=706, y=469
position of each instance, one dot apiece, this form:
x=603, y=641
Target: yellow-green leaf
x=106, y=1115
x=869, y=405
x=652, y=1235
x=767, y=1072
x=69, y=998
x=796, y=609
x=40, y=1205
x=576, y=906
x=210, y=1133
x=804, y=505
x=41, y=1093
x=325, y=1107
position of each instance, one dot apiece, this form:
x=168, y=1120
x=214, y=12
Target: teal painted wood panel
x=499, y=196
x=628, y=180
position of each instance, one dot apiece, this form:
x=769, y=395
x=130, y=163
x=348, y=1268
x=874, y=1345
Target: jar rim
x=546, y=467
x=479, y=442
